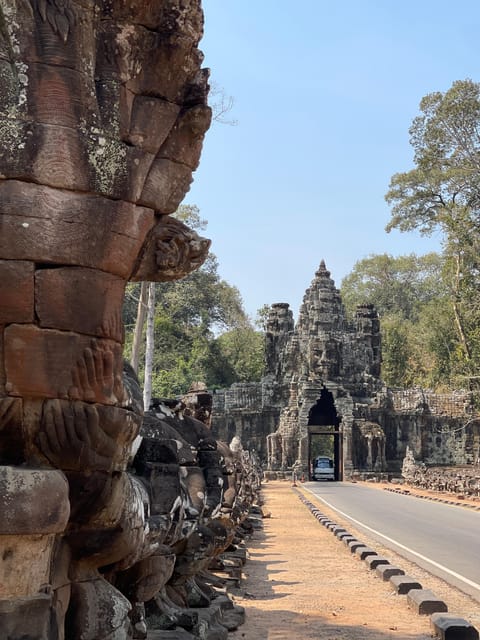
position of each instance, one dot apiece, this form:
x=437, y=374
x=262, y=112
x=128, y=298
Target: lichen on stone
x=106, y=157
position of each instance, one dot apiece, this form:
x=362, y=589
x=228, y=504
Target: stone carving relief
x=103, y=110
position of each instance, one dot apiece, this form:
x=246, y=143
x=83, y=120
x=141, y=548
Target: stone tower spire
x=279, y=327
x=321, y=320
x=322, y=308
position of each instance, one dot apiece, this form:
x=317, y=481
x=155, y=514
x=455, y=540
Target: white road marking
x=454, y=574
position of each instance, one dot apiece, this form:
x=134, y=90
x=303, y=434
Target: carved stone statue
x=102, y=116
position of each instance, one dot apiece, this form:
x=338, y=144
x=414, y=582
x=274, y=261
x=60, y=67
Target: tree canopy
x=442, y=191
x=398, y=285
x=442, y=194
x=202, y=332
x=412, y=301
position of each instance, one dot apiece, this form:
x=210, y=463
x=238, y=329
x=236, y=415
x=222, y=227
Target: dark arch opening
x=323, y=412
x=323, y=422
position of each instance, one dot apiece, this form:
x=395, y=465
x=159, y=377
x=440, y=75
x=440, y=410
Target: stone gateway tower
x=322, y=384
x=329, y=368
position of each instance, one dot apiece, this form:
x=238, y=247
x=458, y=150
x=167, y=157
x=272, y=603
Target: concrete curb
x=423, y=601
x=449, y=627
x=403, y=584
x=385, y=572
x=375, y=561
x=456, y=503
x=364, y=552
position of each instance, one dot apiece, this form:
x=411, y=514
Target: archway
x=324, y=435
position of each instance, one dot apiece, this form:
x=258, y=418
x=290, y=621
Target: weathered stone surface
x=172, y=634
x=2, y=362
x=157, y=63
x=16, y=291
x=27, y=617
x=171, y=251
x=98, y=610
x=26, y=564
x=192, y=123
x=77, y=436
x=40, y=498
x=103, y=107
x=166, y=185
x=50, y=226
x=82, y=300
x=54, y=364
x=82, y=71
x=59, y=97
x=151, y=121
x=145, y=579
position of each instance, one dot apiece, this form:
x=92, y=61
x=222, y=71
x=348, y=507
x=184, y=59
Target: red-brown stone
x=52, y=226
x=166, y=185
x=60, y=96
x=192, y=125
x=16, y=291
x=151, y=122
x=83, y=300
x=54, y=364
x=99, y=441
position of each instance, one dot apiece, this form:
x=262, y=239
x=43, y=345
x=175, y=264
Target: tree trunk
x=147, y=387
x=139, y=324
x=456, y=312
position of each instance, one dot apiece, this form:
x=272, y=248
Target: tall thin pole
x=139, y=324
x=149, y=347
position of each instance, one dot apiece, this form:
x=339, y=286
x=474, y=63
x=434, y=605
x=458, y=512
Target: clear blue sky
x=324, y=94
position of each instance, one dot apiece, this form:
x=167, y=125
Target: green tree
x=396, y=351
x=442, y=194
x=395, y=285
x=412, y=299
x=243, y=349
x=191, y=316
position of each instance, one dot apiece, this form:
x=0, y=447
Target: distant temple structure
x=322, y=378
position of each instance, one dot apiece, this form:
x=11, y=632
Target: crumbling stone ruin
x=323, y=376
x=462, y=480
x=108, y=518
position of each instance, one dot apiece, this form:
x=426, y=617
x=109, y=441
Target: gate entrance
x=324, y=435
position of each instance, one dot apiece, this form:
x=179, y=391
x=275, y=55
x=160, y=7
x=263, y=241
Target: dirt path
x=302, y=582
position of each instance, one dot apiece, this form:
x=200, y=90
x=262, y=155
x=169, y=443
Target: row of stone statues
x=463, y=480
x=161, y=502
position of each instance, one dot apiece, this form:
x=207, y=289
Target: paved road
x=441, y=538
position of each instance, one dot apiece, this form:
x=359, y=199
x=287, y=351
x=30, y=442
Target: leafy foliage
x=411, y=298
x=396, y=285
x=202, y=332
x=442, y=194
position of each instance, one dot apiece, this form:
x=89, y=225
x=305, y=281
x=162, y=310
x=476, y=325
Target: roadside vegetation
x=430, y=305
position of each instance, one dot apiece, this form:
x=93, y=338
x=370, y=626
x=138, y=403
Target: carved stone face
x=171, y=251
